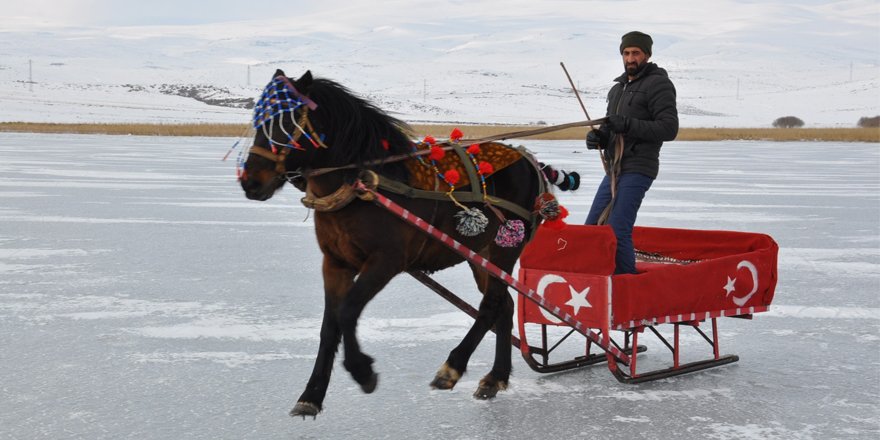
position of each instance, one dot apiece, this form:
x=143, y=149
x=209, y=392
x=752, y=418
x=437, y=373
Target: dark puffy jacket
x=649, y=103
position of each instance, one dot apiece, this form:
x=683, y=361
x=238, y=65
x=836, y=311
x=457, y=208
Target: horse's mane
x=360, y=130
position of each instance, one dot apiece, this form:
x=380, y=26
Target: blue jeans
x=631, y=189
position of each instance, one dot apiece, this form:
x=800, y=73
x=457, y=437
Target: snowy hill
x=734, y=63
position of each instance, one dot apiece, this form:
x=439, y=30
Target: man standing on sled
x=641, y=115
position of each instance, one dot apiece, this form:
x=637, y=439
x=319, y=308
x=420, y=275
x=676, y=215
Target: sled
x=687, y=279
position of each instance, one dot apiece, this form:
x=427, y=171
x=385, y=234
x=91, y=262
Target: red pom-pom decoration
x=430, y=140
x=474, y=149
x=556, y=225
x=385, y=144
x=563, y=213
x=452, y=177
x=456, y=135
x=437, y=153
x=486, y=168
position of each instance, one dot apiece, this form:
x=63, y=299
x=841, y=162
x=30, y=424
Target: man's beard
x=634, y=68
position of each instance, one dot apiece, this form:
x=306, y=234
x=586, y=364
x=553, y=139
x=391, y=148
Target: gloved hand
x=618, y=123
x=594, y=140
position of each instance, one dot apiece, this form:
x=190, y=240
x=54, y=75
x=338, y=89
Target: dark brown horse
x=312, y=124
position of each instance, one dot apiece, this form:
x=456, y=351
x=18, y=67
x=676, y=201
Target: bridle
x=281, y=97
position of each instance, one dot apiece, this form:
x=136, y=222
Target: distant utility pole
x=31, y=75
x=249, y=75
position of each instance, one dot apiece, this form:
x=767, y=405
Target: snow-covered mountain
x=734, y=63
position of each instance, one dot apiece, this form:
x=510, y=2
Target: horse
x=319, y=136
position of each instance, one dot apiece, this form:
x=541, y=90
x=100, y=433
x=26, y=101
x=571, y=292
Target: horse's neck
x=325, y=184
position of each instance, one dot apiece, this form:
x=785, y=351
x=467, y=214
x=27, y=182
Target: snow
x=735, y=63
x=142, y=296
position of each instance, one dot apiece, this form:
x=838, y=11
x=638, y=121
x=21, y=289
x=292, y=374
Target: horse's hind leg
x=490, y=306
x=497, y=378
x=337, y=281
x=496, y=309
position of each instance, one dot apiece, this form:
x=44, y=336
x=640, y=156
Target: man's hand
x=618, y=123
x=594, y=140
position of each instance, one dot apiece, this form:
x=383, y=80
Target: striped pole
x=493, y=270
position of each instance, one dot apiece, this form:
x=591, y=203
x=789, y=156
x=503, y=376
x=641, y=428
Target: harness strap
x=613, y=169
x=278, y=158
x=332, y=202
x=465, y=197
x=469, y=167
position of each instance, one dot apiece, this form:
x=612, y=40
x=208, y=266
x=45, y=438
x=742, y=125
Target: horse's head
x=293, y=134
x=285, y=141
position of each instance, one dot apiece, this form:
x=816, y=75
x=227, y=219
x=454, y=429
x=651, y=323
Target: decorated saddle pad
x=425, y=174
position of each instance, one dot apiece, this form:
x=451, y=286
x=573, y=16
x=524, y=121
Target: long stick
x=573, y=88
x=578, y=96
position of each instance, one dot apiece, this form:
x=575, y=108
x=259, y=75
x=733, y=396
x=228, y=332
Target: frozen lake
x=142, y=296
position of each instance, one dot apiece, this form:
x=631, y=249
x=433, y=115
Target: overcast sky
x=188, y=12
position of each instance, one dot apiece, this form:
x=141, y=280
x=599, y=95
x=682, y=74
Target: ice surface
x=142, y=296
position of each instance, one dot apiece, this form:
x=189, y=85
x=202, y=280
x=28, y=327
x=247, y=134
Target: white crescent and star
x=578, y=298
x=730, y=287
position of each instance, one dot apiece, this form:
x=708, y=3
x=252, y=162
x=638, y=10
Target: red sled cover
x=735, y=274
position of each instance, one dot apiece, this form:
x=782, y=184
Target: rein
x=449, y=147
x=345, y=194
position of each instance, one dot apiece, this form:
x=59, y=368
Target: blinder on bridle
x=280, y=98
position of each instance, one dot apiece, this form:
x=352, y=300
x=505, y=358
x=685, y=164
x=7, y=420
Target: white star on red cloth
x=729, y=287
x=578, y=299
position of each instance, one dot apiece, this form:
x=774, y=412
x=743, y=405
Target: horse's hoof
x=303, y=409
x=370, y=385
x=489, y=388
x=446, y=378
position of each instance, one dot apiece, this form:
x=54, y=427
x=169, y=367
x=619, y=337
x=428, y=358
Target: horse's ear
x=278, y=73
x=305, y=81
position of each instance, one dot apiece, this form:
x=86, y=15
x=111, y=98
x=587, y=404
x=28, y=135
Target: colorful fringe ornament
x=557, y=223
x=549, y=209
x=547, y=206
x=471, y=222
x=511, y=233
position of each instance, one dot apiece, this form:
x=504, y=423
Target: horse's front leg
x=378, y=270
x=337, y=281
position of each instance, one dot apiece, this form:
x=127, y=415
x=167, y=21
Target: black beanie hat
x=637, y=39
